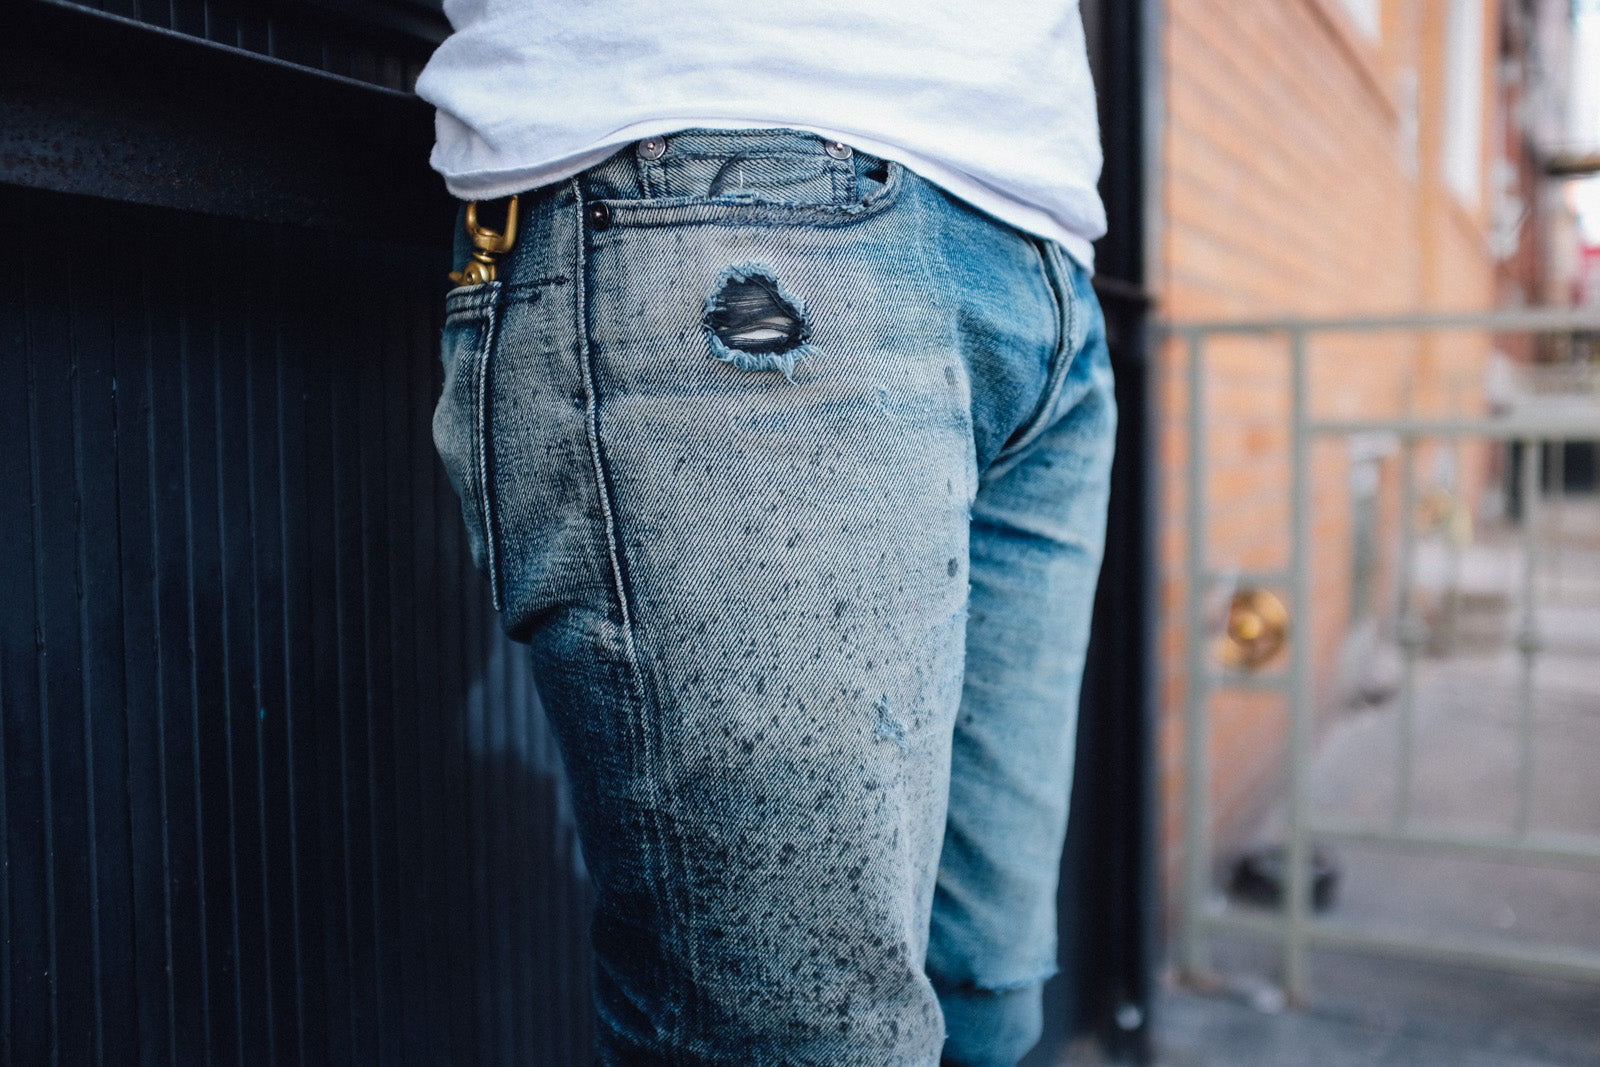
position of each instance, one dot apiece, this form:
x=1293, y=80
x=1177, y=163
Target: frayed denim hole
x=754, y=324
x=751, y=316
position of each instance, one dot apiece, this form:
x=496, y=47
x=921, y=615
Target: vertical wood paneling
x=25, y=944
x=67, y=954
x=130, y=298
x=272, y=784
x=104, y=723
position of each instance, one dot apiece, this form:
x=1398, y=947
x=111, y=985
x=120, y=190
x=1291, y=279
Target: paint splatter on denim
x=792, y=470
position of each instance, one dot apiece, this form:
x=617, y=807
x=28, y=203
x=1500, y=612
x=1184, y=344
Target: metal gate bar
x=1203, y=910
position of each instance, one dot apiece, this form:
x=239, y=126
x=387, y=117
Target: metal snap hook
x=487, y=245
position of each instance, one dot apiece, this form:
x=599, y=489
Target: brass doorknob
x=1258, y=625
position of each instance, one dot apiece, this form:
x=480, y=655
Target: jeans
x=792, y=470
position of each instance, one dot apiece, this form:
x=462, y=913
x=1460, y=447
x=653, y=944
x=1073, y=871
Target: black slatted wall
x=274, y=788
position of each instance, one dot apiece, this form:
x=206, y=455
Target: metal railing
x=1205, y=910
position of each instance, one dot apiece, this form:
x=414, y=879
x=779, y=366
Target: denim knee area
x=718, y=430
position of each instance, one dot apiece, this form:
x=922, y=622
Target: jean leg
x=756, y=713
x=1037, y=537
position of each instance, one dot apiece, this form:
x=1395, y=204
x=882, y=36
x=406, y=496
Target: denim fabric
x=792, y=470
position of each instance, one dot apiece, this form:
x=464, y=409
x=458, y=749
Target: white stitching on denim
x=491, y=324
x=1058, y=280
x=679, y=210
x=592, y=429
x=672, y=929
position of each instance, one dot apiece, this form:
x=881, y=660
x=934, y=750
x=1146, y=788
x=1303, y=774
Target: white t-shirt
x=990, y=99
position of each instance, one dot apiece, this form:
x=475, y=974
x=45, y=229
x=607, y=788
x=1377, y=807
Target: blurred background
x=273, y=788
x=1379, y=696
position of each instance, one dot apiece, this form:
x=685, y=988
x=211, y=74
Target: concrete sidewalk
x=1369, y=1011
x=1373, y=1010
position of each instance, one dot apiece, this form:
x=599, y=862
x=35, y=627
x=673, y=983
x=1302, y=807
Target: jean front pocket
x=461, y=419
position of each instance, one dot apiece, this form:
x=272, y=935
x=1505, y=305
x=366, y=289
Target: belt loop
x=842, y=164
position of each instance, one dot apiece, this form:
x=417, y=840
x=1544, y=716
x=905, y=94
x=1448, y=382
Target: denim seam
x=734, y=202
x=842, y=173
x=683, y=210
x=1067, y=311
x=652, y=178
x=520, y=291
x=778, y=156
x=970, y=987
x=592, y=428
x=494, y=298
x=469, y=301
x=747, y=199
x=644, y=730
x=484, y=447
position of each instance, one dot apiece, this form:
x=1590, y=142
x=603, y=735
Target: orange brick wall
x=1289, y=186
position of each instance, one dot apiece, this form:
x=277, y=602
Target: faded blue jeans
x=792, y=470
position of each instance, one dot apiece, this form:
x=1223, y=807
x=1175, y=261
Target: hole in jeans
x=755, y=324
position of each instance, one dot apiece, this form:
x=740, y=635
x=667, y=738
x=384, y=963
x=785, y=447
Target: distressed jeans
x=792, y=470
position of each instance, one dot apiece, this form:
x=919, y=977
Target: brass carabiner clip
x=487, y=245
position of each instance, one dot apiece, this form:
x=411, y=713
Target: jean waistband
x=732, y=164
